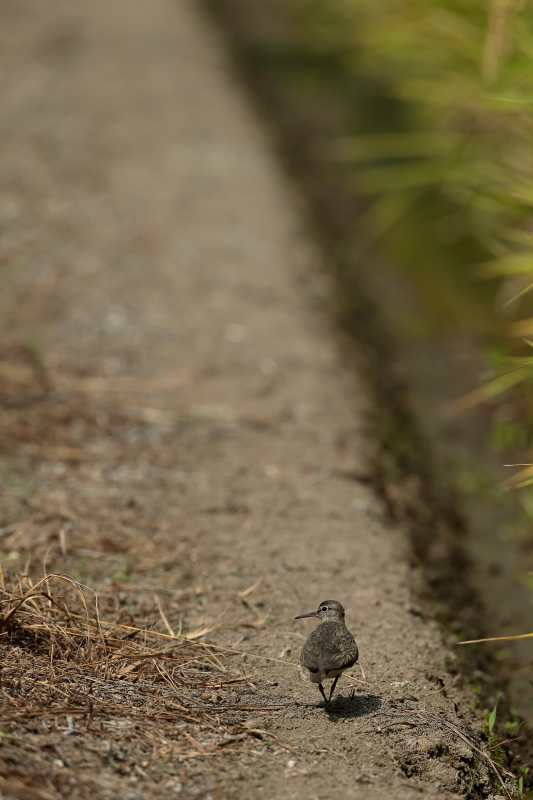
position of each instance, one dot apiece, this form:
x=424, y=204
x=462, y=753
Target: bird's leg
x=332, y=689
x=323, y=694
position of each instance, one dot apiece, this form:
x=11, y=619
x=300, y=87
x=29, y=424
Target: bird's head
x=327, y=611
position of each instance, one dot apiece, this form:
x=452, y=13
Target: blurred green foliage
x=425, y=108
x=441, y=114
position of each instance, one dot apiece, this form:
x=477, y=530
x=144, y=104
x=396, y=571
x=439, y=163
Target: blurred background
x=410, y=126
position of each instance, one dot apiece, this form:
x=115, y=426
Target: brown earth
x=178, y=431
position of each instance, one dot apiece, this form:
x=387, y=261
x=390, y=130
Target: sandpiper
x=330, y=649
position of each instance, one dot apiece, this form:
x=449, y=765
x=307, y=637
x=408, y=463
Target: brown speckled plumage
x=331, y=648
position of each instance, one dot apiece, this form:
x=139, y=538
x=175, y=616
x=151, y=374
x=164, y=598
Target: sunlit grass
x=437, y=135
x=442, y=102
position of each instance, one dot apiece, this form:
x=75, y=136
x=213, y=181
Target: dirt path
x=193, y=434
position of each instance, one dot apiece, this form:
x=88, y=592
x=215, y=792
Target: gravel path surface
x=154, y=252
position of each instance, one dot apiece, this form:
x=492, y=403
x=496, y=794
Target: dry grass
x=62, y=653
x=106, y=684
x=71, y=669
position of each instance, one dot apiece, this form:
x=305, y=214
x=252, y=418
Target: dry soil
x=178, y=428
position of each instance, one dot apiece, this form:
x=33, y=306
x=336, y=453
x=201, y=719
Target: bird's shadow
x=355, y=705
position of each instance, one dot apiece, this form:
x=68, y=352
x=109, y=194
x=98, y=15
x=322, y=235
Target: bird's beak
x=311, y=614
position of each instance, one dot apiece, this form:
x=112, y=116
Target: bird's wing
x=310, y=655
x=339, y=651
x=328, y=650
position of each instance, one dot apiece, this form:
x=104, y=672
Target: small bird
x=330, y=649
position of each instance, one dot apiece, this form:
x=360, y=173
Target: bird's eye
x=324, y=608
